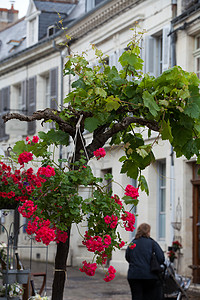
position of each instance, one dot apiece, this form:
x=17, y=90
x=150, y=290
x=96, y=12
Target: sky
x=20, y=5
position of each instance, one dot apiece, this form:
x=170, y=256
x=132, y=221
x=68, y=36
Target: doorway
x=196, y=224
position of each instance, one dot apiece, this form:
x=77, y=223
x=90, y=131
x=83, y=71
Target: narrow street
x=80, y=286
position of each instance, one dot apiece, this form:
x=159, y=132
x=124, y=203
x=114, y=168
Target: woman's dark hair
x=143, y=230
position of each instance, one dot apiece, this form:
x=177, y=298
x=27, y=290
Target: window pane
x=162, y=199
x=162, y=226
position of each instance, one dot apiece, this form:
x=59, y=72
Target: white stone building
x=31, y=62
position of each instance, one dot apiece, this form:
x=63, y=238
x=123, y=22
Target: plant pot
x=9, y=276
x=22, y=276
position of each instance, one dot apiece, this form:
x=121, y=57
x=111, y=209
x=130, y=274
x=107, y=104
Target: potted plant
x=38, y=297
x=176, y=246
x=171, y=255
x=14, y=291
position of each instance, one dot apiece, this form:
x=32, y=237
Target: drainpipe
x=172, y=178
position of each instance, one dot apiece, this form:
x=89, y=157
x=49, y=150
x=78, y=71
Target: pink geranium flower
x=131, y=191
x=99, y=153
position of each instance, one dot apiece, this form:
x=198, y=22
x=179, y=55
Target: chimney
x=8, y=16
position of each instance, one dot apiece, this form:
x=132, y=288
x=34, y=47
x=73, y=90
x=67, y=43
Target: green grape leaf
x=150, y=103
x=166, y=131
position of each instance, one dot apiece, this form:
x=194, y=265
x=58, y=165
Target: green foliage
x=171, y=101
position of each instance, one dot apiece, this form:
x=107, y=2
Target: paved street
x=81, y=286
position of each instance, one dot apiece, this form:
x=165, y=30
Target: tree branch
x=45, y=115
x=101, y=139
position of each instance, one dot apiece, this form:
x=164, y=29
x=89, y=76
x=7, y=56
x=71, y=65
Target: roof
x=16, y=31
x=54, y=7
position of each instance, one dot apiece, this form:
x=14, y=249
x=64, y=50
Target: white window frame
x=161, y=201
x=197, y=56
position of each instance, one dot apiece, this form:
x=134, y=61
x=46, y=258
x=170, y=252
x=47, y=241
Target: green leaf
x=130, y=168
x=166, y=131
x=193, y=108
x=79, y=84
x=57, y=137
x=122, y=158
x=112, y=103
x=101, y=92
x=130, y=200
x=142, y=152
x=91, y=124
x=20, y=147
x=129, y=58
x=150, y=103
x=143, y=184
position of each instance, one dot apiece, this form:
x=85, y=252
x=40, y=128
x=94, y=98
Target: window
x=197, y=56
x=50, y=30
x=31, y=103
x=90, y=4
x=32, y=31
x=161, y=168
x=47, y=91
x=157, y=49
x=21, y=96
x=107, y=183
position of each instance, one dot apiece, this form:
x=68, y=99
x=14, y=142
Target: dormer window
x=50, y=30
x=32, y=19
x=90, y=4
x=33, y=31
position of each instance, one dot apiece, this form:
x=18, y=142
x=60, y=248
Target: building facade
x=31, y=62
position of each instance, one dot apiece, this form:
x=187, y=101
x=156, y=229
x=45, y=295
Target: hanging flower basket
x=22, y=276
x=9, y=276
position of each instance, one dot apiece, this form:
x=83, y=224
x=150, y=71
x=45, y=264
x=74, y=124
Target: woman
x=144, y=284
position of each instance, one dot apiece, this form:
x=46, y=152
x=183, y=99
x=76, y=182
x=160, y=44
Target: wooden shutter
x=166, y=48
x=90, y=4
x=4, y=108
x=53, y=76
x=24, y=95
x=31, y=103
x=150, y=53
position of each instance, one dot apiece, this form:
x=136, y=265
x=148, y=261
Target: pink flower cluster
x=111, y=221
x=99, y=153
x=25, y=157
x=61, y=236
x=132, y=246
x=27, y=209
x=47, y=171
x=34, y=140
x=122, y=244
x=117, y=200
x=42, y=230
x=96, y=243
x=131, y=191
x=129, y=221
x=88, y=268
x=111, y=274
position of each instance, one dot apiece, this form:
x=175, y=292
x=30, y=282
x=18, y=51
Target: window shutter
x=90, y=4
x=150, y=52
x=166, y=48
x=53, y=88
x=4, y=108
x=31, y=103
x=112, y=59
x=24, y=90
x=142, y=52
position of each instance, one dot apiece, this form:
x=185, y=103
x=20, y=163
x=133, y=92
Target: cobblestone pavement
x=80, y=286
